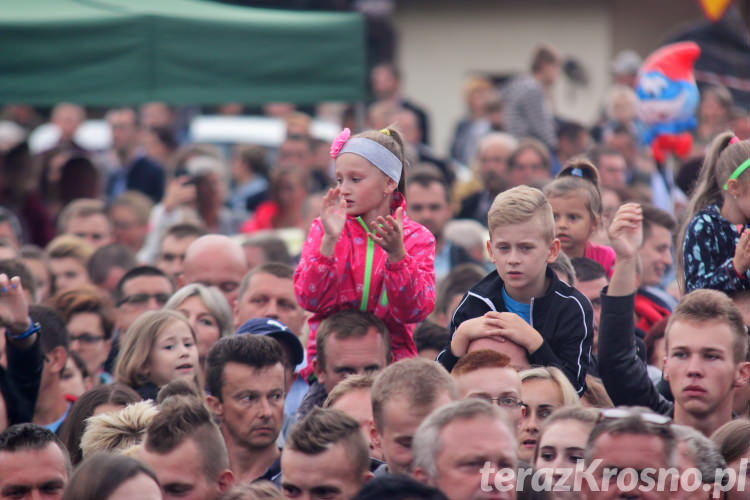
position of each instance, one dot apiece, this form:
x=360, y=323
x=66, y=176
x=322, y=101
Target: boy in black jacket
x=523, y=301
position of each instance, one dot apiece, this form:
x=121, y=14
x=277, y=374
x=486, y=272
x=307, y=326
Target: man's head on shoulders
x=706, y=346
x=215, y=260
x=33, y=463
x=402, y=396
x=454, y=444
x=186, y=450
x=325, y=456
x=267, y=291
x=350, y=342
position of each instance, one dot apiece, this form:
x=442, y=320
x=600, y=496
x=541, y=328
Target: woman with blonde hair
x=543, y=390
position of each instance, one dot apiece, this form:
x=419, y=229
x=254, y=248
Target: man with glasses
x=218, y=261
x=626, y=440
x=705, y=343
x=487, y=375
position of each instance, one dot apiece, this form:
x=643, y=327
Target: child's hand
x=333, y=213
x=14, y=312
x=626, y=230
x=473, y=329
x=514, y=328
x=388, y=232
x=742, y=253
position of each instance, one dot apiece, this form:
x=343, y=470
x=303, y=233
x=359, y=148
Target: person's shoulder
x=566, y=295
x=489, y=286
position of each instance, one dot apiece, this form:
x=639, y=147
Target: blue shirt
x=523, y=310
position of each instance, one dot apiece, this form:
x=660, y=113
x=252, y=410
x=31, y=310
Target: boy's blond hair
x=519, y=205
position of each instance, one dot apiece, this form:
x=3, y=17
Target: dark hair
x=79, y=178
x=398, y=487
x=569, y=130
x=53, y=332
x=543, y=54
x=256, y=351
x=179, y=387
x=425, y=179
x=654, y=333
x=165, y=135
x=588, y=269
x=347, y=324
x=183, y=230
x=654, y=216
x=254, y=157
x=274, y=248
x=137, y=272
x=31, y=437
x=457, y=282
x=107, y=257
x=101, y=474
x=429, y=335
x=16, y=267
x=185, y=417
x=323, y=428
x=74, y=425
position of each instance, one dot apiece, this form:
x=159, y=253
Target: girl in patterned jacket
x=363, y=252
x=715, y=251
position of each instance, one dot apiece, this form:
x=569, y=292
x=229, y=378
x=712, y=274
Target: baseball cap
x=277, y=330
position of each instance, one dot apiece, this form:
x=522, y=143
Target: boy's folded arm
x=571, y=356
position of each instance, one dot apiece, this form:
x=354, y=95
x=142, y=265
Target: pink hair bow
x=339, y=142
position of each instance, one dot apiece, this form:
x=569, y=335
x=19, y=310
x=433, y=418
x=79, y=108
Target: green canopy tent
x=105, y=52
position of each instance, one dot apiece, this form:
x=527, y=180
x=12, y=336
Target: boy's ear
x=489, y=251
x=554, y=251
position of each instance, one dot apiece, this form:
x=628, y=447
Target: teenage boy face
x=701, y=369
x=521, y=254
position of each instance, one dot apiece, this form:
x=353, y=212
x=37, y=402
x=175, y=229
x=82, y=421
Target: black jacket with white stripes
x=563, y=316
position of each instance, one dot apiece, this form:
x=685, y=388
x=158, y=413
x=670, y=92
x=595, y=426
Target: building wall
x=442, y=41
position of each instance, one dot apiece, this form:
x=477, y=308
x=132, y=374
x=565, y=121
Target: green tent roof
x=105, y=52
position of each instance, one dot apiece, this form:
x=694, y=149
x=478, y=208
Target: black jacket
x=19, y=383
x=563, y=316
x=622, y=371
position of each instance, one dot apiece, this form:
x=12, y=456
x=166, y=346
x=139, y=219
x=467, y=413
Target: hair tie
x=385, y=131
x=577, y=172
x=734, y=140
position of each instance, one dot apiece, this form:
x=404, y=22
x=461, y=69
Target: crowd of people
x=538, y=315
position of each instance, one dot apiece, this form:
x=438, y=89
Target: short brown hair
x=278, y=269
x=82, y=207
x=181, y=418
x=349, y=384
x=543, y=54
x=322, y=428
x=521, y=204
x=483, y=358
x=654, y=216
x=419, y=380
x=347, y=324
x=86, y=299
x=706, y=305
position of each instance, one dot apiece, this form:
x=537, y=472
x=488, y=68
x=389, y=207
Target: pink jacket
x=325, y=285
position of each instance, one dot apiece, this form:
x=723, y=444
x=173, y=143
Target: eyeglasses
x=85, y=338
x=646, y=416
x=510, y=402
x=138, y=299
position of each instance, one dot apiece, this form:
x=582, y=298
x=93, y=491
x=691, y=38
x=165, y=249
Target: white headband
x=375, y=153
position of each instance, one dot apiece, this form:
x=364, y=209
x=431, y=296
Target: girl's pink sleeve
x=315, y=276
x=410, y=282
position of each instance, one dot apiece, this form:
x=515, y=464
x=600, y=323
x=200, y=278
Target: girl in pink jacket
x=363, y=251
